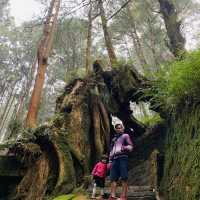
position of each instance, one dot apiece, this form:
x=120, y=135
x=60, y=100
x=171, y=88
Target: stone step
x=133, y=188
x=137, y=198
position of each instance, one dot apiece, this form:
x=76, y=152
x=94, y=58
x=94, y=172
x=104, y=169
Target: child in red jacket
x=99, y=175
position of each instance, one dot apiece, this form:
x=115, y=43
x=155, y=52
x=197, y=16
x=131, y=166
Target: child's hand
x=109, y=165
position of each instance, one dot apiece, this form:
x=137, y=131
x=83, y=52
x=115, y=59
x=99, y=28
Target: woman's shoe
x=123, y=198
x=105, y=196
x=113, y=198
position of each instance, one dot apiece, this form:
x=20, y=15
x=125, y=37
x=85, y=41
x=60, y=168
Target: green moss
x=66, y=181
x=65, y=197
x=72, y=196
x=182, y=161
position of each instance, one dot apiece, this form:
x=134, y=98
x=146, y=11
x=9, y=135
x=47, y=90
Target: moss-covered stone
x=182, y=161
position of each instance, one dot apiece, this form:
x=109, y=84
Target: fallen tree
x=58, y=156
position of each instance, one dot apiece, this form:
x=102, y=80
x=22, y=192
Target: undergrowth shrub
x=178, y=84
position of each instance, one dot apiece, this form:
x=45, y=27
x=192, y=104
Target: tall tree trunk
x=5, y=108
x=8, y=100
x=129, y=55
x=4, y=96
x=108, y=42
x=20, y=103
x=136, y=40
x=4, y=120
x=177, y=41
x=152, y=46
x=89, y=41
x=43, y=52
x=3, y=90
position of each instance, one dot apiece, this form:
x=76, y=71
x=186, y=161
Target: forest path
x=134, y=192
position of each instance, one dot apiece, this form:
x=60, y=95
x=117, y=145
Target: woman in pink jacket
x=99, y=175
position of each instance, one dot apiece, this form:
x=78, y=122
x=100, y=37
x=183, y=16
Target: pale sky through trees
x=25, y=10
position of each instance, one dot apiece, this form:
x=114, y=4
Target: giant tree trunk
x=60, y=154
x=173, y=26
x=44, y=49
x=108, y=41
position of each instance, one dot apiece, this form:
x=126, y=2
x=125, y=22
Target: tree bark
x=173, y=27
x=44, y=49
x=107, y=37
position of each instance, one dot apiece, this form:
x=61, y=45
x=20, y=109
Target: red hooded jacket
x=100, y=169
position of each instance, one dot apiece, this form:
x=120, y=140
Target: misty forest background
x=56, y=105
x=138, y=35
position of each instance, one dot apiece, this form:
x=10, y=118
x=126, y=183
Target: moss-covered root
x=66, y=179
x=33, y=185
x=50, y=173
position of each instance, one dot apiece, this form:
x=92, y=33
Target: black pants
x=100, y=182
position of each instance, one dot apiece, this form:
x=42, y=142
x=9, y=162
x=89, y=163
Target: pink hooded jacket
x=120, y=146
x=100, y=169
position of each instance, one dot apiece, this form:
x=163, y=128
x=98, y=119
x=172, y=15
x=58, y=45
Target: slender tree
x=136, y=39
x=107, y=37
x=43, y=52
x=89, y=40
x=173, y=27
x=5, y=119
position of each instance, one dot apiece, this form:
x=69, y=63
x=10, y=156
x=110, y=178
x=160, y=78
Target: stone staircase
x=140, y=181
x=134, y=192
x=140, y=193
